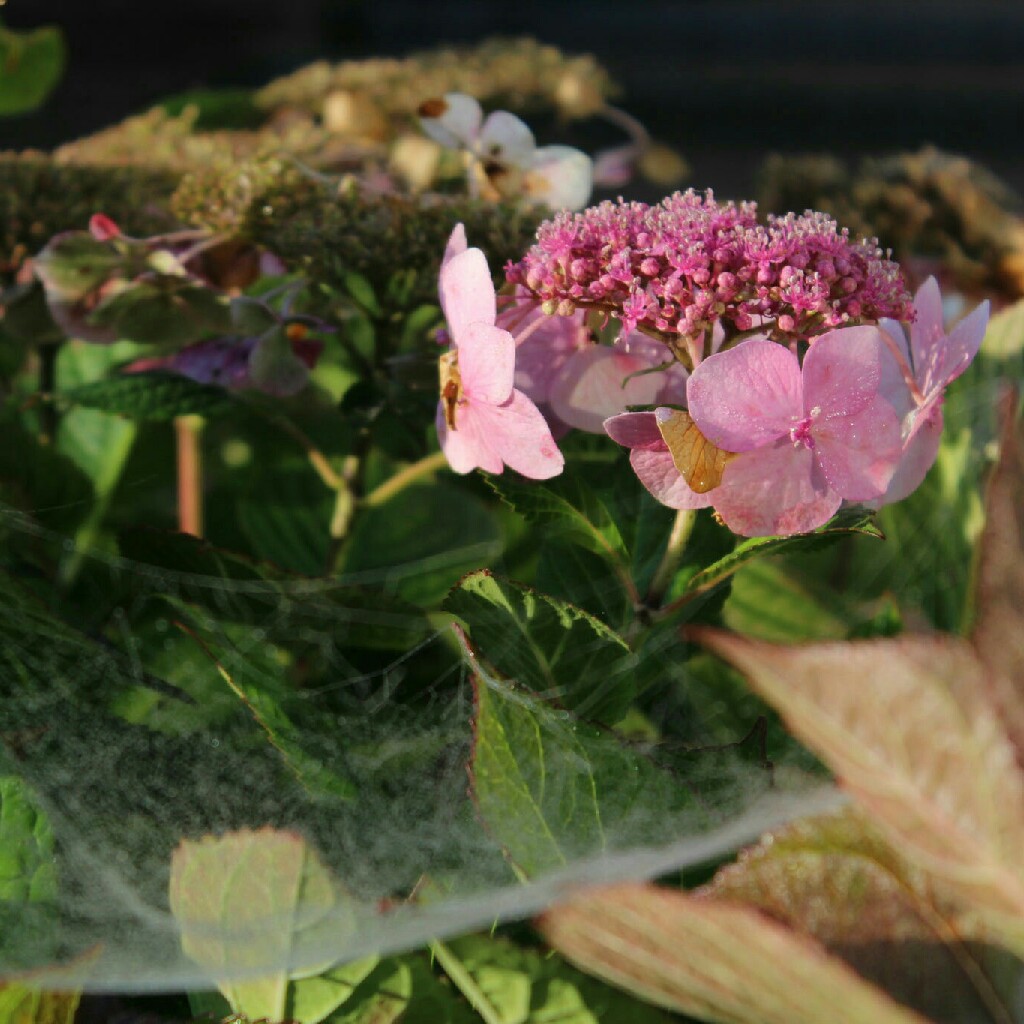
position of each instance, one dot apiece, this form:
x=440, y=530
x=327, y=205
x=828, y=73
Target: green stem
x=105, y=485
x=403, y=478
x=677, y=541
x=463, y=981
x=47, y=387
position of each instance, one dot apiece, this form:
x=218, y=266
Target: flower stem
x=47, y=386
x=677, y=541
x=403, y=478
x=188, y=433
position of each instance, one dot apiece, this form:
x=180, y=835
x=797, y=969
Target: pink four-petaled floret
x=483, y=421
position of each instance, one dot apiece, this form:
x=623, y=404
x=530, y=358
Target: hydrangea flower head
x=681, y=266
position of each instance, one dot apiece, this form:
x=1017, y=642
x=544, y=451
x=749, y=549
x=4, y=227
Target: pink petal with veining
x=520, y=436
x=487, y=357
x=636, y=430
x=843, y=370
x=859, y=453
x=466, y=448
x=467, y=292
x=657, y=472
x=600, y=382
x=919, y=454
x=747, y=396
x=778, y=489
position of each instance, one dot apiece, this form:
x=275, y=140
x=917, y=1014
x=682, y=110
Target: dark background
x=726, y=81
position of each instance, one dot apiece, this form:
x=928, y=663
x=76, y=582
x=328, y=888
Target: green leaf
x=169, y=310
x=558, y=651
x=846, y=521
x=526, y=986
x=714, y=960
x=31, y=65
x=20, y=1004
x=421, y=541
x=362, y=291
x=247, y=902
x=404, y=989
x=41, y=481
x=150, y=396
x=355, y=616
x=582, y=578
x=567, y=508
x=26, y=318
x=766, y=601
x=28, y=878
x=1004, y=336
x=247, y=682
x=552, y=789
x=285, y=514
x=27, y=864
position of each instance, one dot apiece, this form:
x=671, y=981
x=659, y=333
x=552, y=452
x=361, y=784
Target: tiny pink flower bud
x=102, y=228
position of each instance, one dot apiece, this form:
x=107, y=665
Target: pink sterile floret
x=483, y=421
x=652, y=461
x=689, y=262
x=917, y=379
x=808, y=437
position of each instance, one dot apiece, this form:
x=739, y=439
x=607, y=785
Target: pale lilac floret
x=483, y=421
x=917, y=379
x=652, y=461
x=808, y=437
x=689, y=262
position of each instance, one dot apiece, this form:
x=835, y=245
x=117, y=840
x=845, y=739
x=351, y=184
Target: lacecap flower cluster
x=762, y=370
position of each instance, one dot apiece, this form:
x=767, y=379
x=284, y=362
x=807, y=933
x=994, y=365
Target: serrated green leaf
x=404, y=989
x=31, y=65
x=27, y=863
x=768, y=602
x=552, y=789
x=1004, y=336
x=41, y=481
x=555, y=649
x=285, y=514
x=582, y=578
x=150, y=396
x=846, y=521
x=568, y=508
